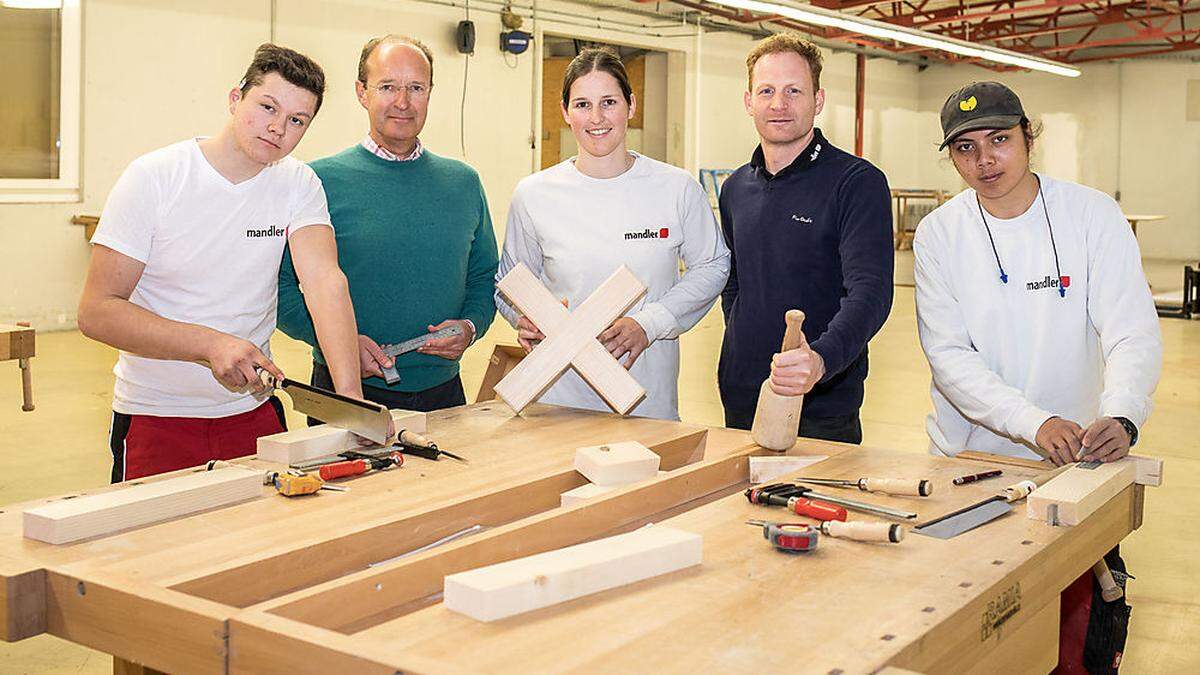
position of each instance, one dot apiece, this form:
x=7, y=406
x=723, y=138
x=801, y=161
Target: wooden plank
x=69, y=520
x=503, y=359
x=615, y=464
x=137, y=622
x=22, y=601
x=1074, y=494
x=1148, y=469
x=534, y=374
x=767, y=469
x=584, y=492
x=1032, y=649
x=525, y=584
x=17, y=342
x=290, y=447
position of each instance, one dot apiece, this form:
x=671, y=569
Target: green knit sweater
x=415, y=241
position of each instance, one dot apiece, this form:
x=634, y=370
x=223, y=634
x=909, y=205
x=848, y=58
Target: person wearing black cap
x=1038, y=324
x=809, y=227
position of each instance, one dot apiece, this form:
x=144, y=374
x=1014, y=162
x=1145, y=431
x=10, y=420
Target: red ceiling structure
x=1072, y=31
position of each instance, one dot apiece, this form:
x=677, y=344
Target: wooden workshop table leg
x=26, y=378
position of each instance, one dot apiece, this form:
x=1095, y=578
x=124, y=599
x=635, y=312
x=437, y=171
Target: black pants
x=843, y=428
x=445, y=395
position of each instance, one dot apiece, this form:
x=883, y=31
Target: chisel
x=893, y=486
x=773, y=494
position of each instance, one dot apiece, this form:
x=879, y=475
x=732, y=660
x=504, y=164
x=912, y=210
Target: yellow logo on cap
x=968, y=105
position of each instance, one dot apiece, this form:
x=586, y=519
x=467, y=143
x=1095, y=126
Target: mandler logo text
x=271, y=231
x=1048, y=282
x=661, y=233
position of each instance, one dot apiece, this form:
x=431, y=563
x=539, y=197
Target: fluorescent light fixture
x=32, y=4
x=817, y=16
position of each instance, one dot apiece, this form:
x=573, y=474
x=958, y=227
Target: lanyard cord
x=1062, y=291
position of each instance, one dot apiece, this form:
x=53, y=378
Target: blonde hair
x=785, y=42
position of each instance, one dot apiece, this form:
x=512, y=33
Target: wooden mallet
x=777, y=418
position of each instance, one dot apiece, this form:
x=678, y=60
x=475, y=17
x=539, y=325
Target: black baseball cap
x=980, y=105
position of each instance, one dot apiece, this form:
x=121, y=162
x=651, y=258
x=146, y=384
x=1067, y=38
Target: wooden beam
x=291, y=447
x=525, y=584
x=69, y=520
x=1076, y=493
x=571, y=339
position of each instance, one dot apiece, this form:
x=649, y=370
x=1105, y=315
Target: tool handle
x=815, y=509
x=897, y=486
x=267, y=378
x=861, y=531
x=413, y=438
x=1109, y=590
x=792, y=336
x=26, y=378
x=342, y=469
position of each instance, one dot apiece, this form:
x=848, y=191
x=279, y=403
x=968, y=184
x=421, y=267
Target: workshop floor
x=72, y=379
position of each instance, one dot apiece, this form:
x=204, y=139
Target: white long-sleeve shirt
x=572, y=231
x=1008, y=356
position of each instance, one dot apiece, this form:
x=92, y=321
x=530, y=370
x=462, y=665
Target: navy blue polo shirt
x=816, y=236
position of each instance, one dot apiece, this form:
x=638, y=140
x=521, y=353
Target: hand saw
x=369, y=420
x=970, y=517
x=390, y=374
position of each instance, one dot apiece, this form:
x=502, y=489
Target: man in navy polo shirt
x=809, y=227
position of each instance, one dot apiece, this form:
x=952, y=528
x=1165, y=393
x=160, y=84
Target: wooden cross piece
x=571, y=339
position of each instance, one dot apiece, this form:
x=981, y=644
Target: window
x=39, y=120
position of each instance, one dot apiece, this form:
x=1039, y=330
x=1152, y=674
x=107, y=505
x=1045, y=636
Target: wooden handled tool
x=26, y=378
x=891, y=533
x=913, y=487
x=1109, y=590
x=777, y=418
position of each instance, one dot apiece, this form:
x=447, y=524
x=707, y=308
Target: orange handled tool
x=815, y=509
x=355, y=467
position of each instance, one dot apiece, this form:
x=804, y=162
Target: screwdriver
x=355, y=467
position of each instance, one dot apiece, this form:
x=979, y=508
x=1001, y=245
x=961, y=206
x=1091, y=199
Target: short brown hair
x=392, y=39
x=785, y=42
x=291, y=65
x=593, y=59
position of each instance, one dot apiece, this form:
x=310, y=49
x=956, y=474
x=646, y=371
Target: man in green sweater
x=414, y=239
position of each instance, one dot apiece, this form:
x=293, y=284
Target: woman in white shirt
x=575, y=223
x=1031, y=302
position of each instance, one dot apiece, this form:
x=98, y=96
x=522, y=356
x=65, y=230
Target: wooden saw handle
x=792, y=336
x=913, y=487
x=862, y=531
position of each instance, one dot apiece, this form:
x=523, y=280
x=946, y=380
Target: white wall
x=157, y=72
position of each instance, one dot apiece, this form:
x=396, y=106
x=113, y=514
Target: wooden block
x=617, y=464
x=1072, y=496
x=70, y=520
x=525, y=584
x=584, y=492
x=16, y=342
x=290, y=447
x=572, y=338
x=504, y=358
x=766, y=469
x=1147, y=470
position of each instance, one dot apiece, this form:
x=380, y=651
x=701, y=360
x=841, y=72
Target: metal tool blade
x=369, y=420
x=389, y=374
x=965, y=520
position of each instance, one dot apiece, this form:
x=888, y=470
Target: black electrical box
x=464, y=37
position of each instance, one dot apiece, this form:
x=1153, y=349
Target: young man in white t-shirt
x=184, y=273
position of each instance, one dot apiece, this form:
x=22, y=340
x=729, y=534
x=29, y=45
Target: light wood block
x=16, y=342
x=767, y=469
x=584, y=492
x=616, y=464
x=70, y=520
x=525, y=584
x=1073, y=495
x=571, y=339
x=290, y=447
x=1147, y=470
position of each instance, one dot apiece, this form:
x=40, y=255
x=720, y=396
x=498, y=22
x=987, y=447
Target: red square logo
x=664, y=233
x=1065, y=281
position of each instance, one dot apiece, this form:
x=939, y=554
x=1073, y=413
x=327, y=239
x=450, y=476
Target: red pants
x=143, y=445
x=1075, y=606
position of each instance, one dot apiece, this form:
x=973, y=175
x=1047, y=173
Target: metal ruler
x=390, y=374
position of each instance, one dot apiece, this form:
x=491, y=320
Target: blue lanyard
x=1062, y=290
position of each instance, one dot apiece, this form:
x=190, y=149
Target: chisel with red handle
x=355, y=467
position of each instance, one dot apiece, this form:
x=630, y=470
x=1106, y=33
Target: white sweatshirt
x=1008, y=356
x=572, y=231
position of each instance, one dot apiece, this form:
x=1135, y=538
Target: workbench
x=289, y=585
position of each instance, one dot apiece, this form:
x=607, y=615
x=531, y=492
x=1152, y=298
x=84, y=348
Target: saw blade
x=965, y=520
x=369, y=420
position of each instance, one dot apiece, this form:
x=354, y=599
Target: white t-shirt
x=1007, y=356
x=573, y=231
x=212, y=251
